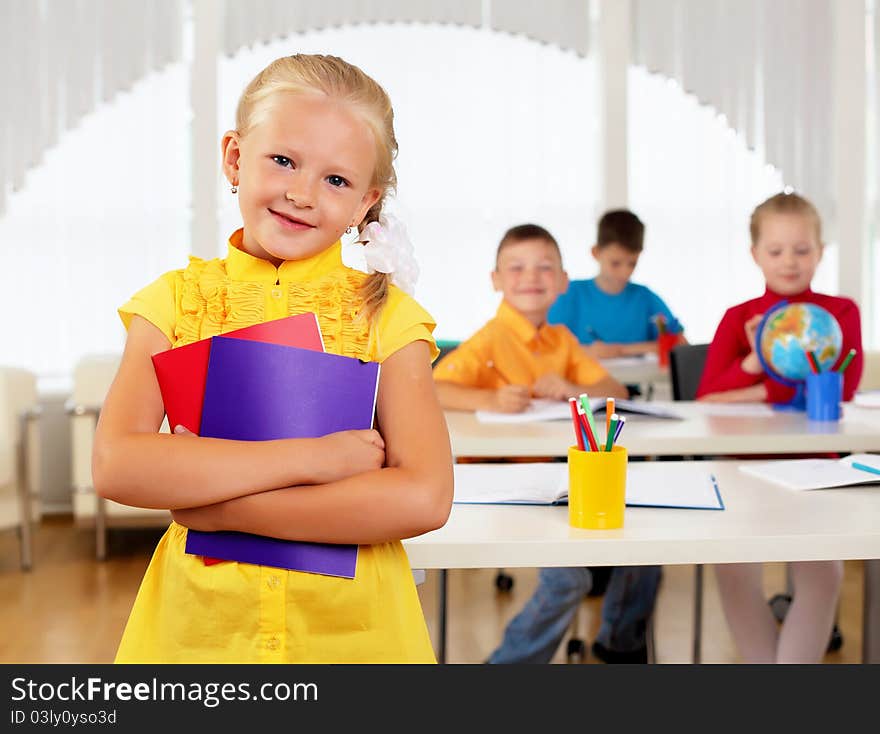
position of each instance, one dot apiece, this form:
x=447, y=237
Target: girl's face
x=788, y=252
x=304, y=175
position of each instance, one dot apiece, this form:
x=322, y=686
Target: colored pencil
x=572, y=403
x=811, y=360
x=609, y=409
x=849, y=358
x=620, y=425
x=591, y=436
x=588, y=411
x=609, y=441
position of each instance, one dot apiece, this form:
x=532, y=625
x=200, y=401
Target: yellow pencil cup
x=596, y=488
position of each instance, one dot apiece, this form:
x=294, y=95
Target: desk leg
x=871, y=612
x=698, y=612
x=441, y=617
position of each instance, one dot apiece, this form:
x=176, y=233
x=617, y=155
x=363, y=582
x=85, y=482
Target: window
x=105, y=214
x=694, y=183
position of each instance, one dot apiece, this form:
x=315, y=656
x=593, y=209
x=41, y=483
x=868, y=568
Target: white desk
x=703, y=432
x=761, y=522
x=629, y=370
x=707, y=430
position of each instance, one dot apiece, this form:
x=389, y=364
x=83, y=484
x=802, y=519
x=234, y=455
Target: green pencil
x=609, y=440
x=847, y=360
x=585, y=404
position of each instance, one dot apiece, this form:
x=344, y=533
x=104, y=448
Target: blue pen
x=865, y=467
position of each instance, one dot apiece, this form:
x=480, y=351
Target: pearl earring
x=348, y=229
x=234, y=189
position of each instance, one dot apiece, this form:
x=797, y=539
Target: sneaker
x=602, y=653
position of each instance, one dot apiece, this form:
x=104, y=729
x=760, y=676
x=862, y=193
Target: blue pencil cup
x=824, y=393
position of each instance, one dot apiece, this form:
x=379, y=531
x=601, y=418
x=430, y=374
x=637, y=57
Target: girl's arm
x=134, y=464
x=410, y=496
x=728, y=351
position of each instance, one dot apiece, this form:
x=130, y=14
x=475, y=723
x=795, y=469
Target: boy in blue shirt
x=609, y=314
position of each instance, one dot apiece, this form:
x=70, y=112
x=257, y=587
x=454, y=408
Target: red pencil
x=588, y=431
x=572, y=403
x=814, y=365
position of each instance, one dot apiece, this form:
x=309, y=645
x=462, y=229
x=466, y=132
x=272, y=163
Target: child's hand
x=553, y=386
x=751, y=363
x=350, y=452
x=602, y=350
x=510, y=399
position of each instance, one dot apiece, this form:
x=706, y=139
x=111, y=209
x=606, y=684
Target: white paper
x=546, y=483
x=674, y=486
x=612, y=362
x=806, y=474
x=867, y=399
x=745, y=410
x=538, y=410
x=535, y=483
x=553, y=410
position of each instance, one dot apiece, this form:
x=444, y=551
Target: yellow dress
x=236, y=612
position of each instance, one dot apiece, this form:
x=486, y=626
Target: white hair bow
x=387, y=249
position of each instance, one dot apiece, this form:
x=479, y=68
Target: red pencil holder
x=665, y=343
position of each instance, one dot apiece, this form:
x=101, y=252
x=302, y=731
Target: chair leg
x=698, y=613
x=101, y=529
x=24, y=496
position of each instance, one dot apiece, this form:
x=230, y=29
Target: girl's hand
x=602, y=350
x=751, y=363
x=347, y=453
x=510, y=399
x=554, y=386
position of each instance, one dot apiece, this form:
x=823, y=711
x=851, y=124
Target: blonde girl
x=310, y=157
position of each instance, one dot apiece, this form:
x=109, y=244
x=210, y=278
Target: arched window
x=106, y=212
x=694, y=183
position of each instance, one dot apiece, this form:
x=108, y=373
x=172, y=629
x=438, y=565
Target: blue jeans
x=533, y=635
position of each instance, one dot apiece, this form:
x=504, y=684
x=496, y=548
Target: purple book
x=257, y=391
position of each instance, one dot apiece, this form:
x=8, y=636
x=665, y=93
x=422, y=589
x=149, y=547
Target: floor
x=70, y=608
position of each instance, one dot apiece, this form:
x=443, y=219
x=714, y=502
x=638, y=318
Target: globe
x=785, y=335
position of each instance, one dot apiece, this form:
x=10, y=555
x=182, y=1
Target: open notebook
x=803, y=474
x=557, y=410
x=547, y=484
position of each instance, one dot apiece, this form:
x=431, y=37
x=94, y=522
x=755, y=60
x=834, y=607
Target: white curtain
x=694, y=181
x=563, y=23
x=765, y=65
x=60, y=58
x=107, y=207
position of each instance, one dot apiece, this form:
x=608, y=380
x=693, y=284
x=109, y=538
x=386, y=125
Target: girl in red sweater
x=787, y=246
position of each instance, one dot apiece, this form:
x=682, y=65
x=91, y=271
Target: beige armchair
x=871, y=374
x=91, y=380
x=19, y=456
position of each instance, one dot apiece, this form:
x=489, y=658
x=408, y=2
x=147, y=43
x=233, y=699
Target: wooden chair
x=19, y=457
x=92, y=378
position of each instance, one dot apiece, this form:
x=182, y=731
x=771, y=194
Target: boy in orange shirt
x=513, y=358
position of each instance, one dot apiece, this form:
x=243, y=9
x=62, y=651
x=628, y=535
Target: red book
x=182, y=372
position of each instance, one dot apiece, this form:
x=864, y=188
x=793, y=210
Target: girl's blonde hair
x=335, y=78
x=783, y=203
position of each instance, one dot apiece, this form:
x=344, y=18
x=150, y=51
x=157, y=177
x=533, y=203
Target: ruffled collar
x=241, y=265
